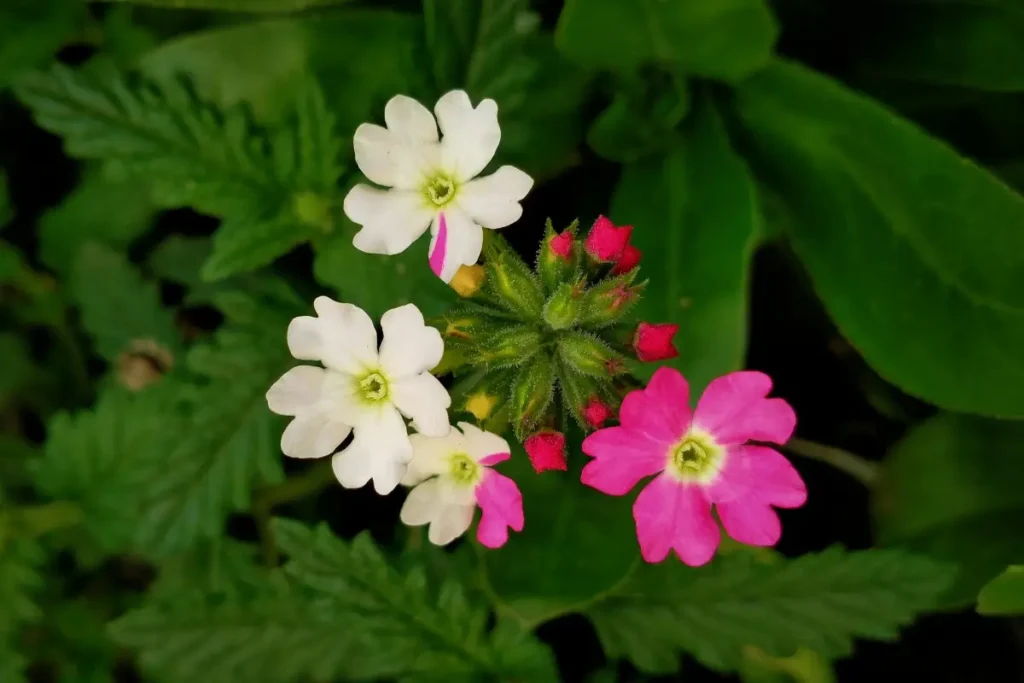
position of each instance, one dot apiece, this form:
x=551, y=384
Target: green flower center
x=440, y=189
x=696, y=457
x=463, y=469
x=373, y=387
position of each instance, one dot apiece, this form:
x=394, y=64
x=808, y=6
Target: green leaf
x=31, y=32
x=805, y=666
x=727, y=39
x=966, y=43
x=819, y=601
x=254, y=6
x=913, y=249
x=16, y=366
x=119, y=308
x=696, y=220
x=179, y=259
x=6, y=207
x=641, y=119
x=953, y=488
x=1004, y=594
x=20, y=562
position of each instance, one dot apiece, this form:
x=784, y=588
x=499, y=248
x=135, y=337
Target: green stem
x=864, y=471
x=313, y=480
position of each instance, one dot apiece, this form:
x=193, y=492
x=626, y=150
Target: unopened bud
x=630, y=260
x=589, y=355
x=143, y=363
x=596, y=412
x=467, y=280
x=564, y=307
x=546, y=450
x=557, y=257
x=532, y=391
x=610, y=299
x=510, y=281
x=506, y=346
x=605, y=242
x=653, y=342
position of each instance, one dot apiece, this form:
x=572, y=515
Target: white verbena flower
x=452, y=475
x=433, y=183
x=361, y=390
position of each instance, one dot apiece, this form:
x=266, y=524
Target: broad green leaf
x=819, y=601
x=641, y=119
x=914, y=250
x=727, y=39
x=31, y=32
x=967, y=43
x=953, y=488
x=1004, y=594
x=696, y=220
x=119, y=308
x=578, y=545
x=254, y=6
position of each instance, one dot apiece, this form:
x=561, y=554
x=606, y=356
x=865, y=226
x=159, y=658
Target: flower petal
x=430, y=455
x=761, y=474
x=425, y=400
x=410, y=346
x=422, y=505
x=452, y=522
x=750, y=522
x=677, y=516
x=409, y=120
x=391, y=219
x=313, y=434
x=661, y=411
x=298, y=389
x=391, y=159
x=622, y=458
x=342, y=337
x=493, y=201
x=502, y=506
x=484, y=447
x=381, y=449
x=455, y=241
x=471, y=136
x=734, y=410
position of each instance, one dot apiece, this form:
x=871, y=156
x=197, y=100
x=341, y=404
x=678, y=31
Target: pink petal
x=760, y=473
x=494, y=458
x=622, y=458
x=671, y=515
x=502, y=506
x=734, y=409
x=546, y=450
x=661, y=410
x=750, y=522
x=440, y=247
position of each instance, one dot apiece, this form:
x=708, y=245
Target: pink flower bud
x=605, y=242
x=547, y=451
x=596, y=413
x=654, y=341
x=561, y=245
x=630, y=260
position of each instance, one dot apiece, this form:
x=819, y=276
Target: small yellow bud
x=467, y=280
x=481, y=404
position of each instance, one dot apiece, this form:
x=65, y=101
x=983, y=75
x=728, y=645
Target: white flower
x=432, y=182
x=361, y=390
x=453, y=475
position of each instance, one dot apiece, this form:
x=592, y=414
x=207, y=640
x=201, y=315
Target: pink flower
x=653, y=342
x=606, y=242
x=546, y=450
x=561, y=245
x=701, y=458
x=595, y=412
x=630, y=259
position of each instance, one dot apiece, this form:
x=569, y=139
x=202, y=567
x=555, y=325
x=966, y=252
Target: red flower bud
x=561, y=245
x=630, y=260
x=547, y=451
x=605, y=242
x=654, y=341
x=596, y=413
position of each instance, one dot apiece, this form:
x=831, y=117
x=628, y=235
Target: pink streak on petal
x=760, y=474
x=622, y=458
x=750, y=522
x=440, y=246
x=661, y=410
x=734, y=409
x=502, y=506
x=494, y=459
x=671, y=515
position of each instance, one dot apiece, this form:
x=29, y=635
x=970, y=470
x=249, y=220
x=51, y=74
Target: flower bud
x=467, y=280
x=557, y=257
x=589, y=356
x=610, y=299
x=506, y=346
x=605, y=242
x=532, y=391
x=546, y=450
x=596, y=412
x=564, y=307
x=630, y=260
x=481, y=404
x=653, y=342
x=511, y=283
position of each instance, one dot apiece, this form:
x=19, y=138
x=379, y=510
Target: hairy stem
x=864, y=471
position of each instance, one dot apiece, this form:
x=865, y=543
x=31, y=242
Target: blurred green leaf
x=1004, y=594
x=31, y=32
x=254, y=6
x=727, y=39
x=20, y=562
x=696, y=220
x=818, y=601
x=953, y=488
x=914, y=250
x=15, y=365
x=6, y=207
x=805, y=666
x=968, y=43
x=180, y=259
x=641, y=119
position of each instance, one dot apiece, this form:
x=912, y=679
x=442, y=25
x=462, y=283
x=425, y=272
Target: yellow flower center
x=373, y=387
x=463, y=469
x=696, y=458
x=440, y=189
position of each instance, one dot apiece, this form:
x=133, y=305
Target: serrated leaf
x=20, y=562
x=179, y=259
x=31, y=32
x=254, y=6
x=819, y=601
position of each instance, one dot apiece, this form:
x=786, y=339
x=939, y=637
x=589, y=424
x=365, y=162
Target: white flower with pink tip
x=433, y=182
x=452, y=475
x=361, y=389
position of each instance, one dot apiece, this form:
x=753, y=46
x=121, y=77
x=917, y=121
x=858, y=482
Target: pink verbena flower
x=702, y=458
x=607, y=242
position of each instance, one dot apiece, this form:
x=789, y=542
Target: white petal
x=423, y=504
x=391, y=219
x=493, y=201
x=425, y=400
x=304, y=341
x=480, y=444
x=430, y=455
x=298, y=389
x=312, y=435
x=409, y=346
x=455, y=241
x=471, y=136
x=351, y=468
x=409, y=120
x=348, y=338
x=388, y=159
x=452, y=522
x=381, y=447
